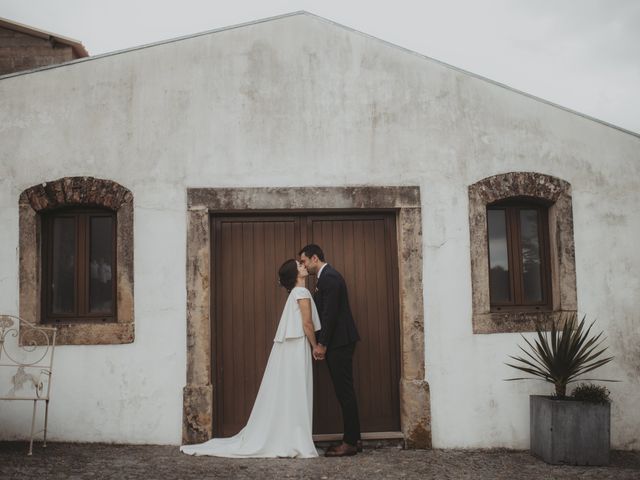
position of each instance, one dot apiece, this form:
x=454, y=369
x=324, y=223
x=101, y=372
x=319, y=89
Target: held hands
x=319, y=351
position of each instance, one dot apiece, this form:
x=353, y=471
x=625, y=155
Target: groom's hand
x=319, y=351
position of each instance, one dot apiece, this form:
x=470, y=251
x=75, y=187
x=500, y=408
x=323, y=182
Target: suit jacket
x=338, y=328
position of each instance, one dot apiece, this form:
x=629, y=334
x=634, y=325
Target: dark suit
x=339, y=334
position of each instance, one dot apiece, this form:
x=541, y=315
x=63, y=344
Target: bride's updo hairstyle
x=288, y=274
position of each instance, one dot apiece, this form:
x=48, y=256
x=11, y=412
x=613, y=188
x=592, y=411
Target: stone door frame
x=415, y=417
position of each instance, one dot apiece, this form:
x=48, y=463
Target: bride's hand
x=319, y=352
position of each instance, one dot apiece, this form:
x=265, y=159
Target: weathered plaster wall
x=267, y=105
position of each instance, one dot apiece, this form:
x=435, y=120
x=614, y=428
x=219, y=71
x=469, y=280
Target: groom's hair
x=311, y=250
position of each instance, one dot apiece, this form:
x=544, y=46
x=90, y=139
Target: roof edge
x=158, y=43
x=76, y=45
x=475, y=75
x=326, y=20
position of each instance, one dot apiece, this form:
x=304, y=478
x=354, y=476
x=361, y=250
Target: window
x=523, y=271
x=79, y=251
x=76, y=260
x=519, y=270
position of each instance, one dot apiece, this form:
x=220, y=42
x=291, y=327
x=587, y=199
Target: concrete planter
x=569, y=431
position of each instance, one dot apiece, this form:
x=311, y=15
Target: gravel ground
x=123, y=462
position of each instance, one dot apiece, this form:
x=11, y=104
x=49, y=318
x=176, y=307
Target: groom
x=336, y=342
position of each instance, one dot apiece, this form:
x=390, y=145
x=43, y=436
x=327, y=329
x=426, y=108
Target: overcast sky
x=581, y=54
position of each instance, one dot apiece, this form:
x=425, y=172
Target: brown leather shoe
x=358, y=446
x=344, y=450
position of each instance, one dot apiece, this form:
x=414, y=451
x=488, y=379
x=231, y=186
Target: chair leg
x=33, y=424
x=46, y=419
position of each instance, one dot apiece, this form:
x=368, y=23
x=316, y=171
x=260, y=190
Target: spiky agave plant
x=560, y=356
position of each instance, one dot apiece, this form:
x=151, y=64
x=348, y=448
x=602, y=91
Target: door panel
x=360, y=249
x=247, y=303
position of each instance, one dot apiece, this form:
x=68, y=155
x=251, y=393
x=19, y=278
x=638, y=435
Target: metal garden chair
x=26, y=365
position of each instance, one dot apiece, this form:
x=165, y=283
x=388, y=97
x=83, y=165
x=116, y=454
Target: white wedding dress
x=281, y=420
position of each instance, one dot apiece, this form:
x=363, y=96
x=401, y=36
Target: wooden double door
x=247, y=252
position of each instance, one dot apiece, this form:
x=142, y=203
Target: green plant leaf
x=561, y=355
x=589, y=380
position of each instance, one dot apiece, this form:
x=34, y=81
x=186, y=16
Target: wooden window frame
x=532, y=187
x=67, y=193
x=82, y=313
x=512, y=208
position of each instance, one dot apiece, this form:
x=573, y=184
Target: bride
x=281, y=420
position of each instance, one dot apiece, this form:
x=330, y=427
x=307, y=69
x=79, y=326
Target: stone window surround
x=557, y=194
x=67, y=192
x=415, y=417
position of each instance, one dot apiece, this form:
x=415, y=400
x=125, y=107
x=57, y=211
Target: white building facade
x=299, y=114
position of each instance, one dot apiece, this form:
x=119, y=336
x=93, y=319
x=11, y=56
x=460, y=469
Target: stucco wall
x=299, y=101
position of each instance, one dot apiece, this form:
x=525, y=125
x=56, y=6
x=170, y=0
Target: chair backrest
x=26, y=359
